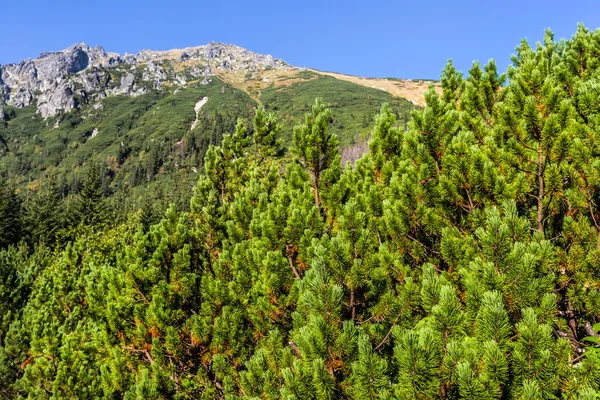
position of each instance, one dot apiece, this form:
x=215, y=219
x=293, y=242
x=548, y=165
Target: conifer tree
x=89, y=206
x=317, y=149
x=266, y=140
x=420, y=272
x=452, y=84
x=369, y=379
x=10, y=215
x=418, y=357
x=386, y=141
x=43, y=213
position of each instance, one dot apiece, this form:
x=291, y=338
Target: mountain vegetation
x=457, y=259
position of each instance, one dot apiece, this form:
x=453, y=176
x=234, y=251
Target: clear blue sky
x=404, y=39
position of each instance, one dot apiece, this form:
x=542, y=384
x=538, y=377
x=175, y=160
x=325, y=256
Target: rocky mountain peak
x=62, y=80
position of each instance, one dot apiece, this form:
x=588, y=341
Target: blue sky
x=369, y=38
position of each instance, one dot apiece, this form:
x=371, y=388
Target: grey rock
x=70, y=61
x=60, y=99
x=4, y=89
x=152, y=67
x=127, y=84
x=51, y=79
x=91, y=81
x=213, y=50
x=155, y=74
x=27, y=69
x=77, y=60
x=140, y=91
x=22, y=98
x=129, y=59
x=97, y=55
x=206, y=81
x=112, y=62
x=201, y=70
x=180, y=79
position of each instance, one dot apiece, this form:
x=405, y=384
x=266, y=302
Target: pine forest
x=457, y=258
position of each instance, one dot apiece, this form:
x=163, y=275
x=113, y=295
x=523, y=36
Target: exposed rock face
x=58, y=98
x=22, y=98
x=60, y=81
x=127, y=84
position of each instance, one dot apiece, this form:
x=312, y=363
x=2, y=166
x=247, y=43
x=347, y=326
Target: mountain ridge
x=59, y=81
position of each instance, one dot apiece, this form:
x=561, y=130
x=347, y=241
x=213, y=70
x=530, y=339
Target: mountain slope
x=412, y=90
x=353, y=106
x=135, y=114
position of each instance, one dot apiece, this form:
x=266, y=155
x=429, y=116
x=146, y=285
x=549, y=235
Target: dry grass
x=413, y=91
x=259, y=80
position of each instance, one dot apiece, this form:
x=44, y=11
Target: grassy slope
x=410, y=89
x=351, y=104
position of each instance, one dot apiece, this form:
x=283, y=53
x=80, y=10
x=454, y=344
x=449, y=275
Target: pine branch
x=387, y=335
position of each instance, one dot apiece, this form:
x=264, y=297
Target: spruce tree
x=43, y=213
x=89, y=206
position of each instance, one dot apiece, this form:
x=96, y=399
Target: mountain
x=61, y=81
x=67, y=79
x=153, y=114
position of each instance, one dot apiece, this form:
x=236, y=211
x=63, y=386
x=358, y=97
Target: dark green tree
x=89, y=204
x=10, y=215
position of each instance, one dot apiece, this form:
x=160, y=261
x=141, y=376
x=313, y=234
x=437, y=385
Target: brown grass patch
x=413, y=91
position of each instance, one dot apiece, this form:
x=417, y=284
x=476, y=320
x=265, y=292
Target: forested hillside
x=457, y=259
x=145, y=121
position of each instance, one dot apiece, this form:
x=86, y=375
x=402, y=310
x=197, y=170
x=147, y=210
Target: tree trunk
x=352, y=304
x=540, y=196
x=291, y=261
x=317, y=199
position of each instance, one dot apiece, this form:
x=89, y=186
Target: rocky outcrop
x=127, y=84
x=22, y=98
x=60, y=98
x=60, y=81
x=155, y=74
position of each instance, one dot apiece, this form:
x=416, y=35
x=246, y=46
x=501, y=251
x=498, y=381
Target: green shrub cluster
x=457, y=259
